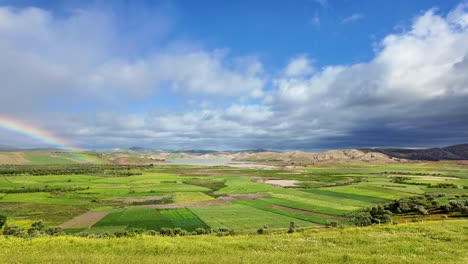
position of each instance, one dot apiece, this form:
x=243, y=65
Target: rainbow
x=40, y=134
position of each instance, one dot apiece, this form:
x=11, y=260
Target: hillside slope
x=429, y=242
x=456, y=152
x=304, y=158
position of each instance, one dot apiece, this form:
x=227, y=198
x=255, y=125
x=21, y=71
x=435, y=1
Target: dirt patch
x=146, y=199
x=85, y=220
x=282, y=183
x=332, y=217
x=13, y=158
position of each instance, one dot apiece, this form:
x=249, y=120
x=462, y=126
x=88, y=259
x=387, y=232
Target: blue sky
x=310, y=74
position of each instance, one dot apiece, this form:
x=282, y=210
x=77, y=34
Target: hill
x=429, y=242
x=455, y=152
x=140, y=155
x=7, y=148
x=307, y=158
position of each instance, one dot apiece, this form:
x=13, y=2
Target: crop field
x=152, y=219
x=241, y=217
x=189, y=197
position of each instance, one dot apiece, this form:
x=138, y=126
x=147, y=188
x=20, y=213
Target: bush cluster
x=37, y=229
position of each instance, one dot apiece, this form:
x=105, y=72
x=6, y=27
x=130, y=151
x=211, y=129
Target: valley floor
x=428, y=242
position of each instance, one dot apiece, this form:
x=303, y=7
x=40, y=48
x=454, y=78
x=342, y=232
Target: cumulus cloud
x=46, y=57
x=415, y=79
x=298, y=66
x=197, y=72
x=412, y=93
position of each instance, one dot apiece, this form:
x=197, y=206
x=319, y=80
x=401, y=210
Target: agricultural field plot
x=329, y=193
x=358, y=197
x=371, y=191
x=243, y=217
x=271, y=207
x=152, y=219
x=241, y=185
x=191, y=197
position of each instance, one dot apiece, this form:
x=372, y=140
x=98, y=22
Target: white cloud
x=415, y=88
x=299, y=66
x=197, y=72
x=49, y=57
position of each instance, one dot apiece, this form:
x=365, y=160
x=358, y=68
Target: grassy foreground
x=429, y=242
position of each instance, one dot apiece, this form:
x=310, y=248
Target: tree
x=54, y=231
x=13, y=231
x=3, y=220
x=422, y=210
x=292, y=227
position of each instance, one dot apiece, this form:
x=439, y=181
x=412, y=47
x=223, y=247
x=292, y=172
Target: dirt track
x=85, y=220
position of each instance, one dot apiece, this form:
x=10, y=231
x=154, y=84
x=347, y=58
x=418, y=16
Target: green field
x=241, y=217
x=217, y=197
x=152, y=219
x=417, y=243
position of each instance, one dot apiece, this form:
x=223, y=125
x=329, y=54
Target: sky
x=306, y=74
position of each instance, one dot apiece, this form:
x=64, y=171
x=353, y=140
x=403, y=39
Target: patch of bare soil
x=85, y=220
x=338, y=218
x=282, y=183
x=130, y=200
x=13, y=158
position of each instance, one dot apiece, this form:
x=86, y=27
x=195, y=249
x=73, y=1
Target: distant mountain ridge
x=7, y=148
x=455, y=152
x=141, y=155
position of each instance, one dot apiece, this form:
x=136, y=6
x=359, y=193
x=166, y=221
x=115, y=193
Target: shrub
x=262, y=230
x=13, y=231
x=422, y=210
x=124, y=233
x=3, y=220
x=54, y=231
x=292, y=227
x=446, y=208
x=201, y=231
x=151, y=233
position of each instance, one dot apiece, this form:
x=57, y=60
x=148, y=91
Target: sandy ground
x=282, y=183
x=85, y=220
x=338, y=218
